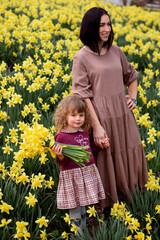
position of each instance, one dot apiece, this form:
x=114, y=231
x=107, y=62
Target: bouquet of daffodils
x=33, y=143
x=76, y=153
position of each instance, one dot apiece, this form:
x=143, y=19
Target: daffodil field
x=38, y=40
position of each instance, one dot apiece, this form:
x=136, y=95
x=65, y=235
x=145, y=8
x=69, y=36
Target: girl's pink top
x=74, y=138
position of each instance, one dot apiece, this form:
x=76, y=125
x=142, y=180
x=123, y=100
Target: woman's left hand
x=130, y=103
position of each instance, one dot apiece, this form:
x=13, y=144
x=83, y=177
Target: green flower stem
x=76, y=153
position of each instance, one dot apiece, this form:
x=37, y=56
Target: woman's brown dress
x=103, y=79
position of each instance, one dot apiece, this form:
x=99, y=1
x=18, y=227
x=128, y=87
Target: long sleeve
x=63, y=162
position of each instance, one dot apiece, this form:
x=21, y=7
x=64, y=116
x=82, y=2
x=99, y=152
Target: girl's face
x=75, y=120
x=104, y=28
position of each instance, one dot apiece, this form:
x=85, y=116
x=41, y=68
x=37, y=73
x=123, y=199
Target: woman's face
x=104, y=28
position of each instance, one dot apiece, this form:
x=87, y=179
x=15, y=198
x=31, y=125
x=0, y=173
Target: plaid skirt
x=79, y=187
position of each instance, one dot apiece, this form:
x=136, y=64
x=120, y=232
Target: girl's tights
x=78, y=216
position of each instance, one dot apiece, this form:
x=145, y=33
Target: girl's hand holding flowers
x=57, y=149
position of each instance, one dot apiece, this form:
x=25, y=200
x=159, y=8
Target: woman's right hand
x=100, y=137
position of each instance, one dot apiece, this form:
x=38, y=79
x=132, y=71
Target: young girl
x=78, y=186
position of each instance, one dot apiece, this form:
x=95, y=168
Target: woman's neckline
x=94, y=53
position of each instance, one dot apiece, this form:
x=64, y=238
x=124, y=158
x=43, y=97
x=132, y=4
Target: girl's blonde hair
x=70, y=104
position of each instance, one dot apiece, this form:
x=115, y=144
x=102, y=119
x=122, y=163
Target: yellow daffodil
x=4, y=207
x=148, y=238
x=91, y=211
x=21, y=230
x=65, y=235
x=43, y=235
x=1, y=129
x=129, y=238
x=7, y=149
x=1, y=194
x=49, y=184
x=139, y=235
x=74, y=229
x=23, y=178
x=42, y=222
x=31, y=200
x=157, y=208
x=5, y=222
x=148, y=218
x=67, y=219
x=148, y=228
x=151, y=139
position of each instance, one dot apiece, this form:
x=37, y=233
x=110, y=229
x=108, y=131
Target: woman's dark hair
x=89, y=32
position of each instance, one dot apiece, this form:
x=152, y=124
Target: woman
x=100, y=73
